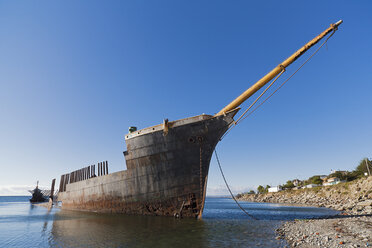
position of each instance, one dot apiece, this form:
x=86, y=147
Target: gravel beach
x=339, y=231
x=352, y=228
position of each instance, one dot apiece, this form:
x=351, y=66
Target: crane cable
x=245, y=115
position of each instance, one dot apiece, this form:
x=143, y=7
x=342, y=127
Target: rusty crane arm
x=269, y=76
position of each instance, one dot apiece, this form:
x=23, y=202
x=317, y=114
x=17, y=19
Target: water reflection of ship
x=167, y=164
x=76, y=229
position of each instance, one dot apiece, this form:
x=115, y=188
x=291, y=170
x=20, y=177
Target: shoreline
x=354, y=198
x=337, y=231
x=352, y=227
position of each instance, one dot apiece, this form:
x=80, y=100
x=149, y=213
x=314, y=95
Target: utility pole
x=367, y=164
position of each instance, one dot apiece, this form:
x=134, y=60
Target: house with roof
x=331, y=181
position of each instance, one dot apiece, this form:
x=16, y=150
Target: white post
x=367, y=164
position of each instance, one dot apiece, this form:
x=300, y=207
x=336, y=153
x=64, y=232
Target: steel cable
x=227, y=185
x=245, y=115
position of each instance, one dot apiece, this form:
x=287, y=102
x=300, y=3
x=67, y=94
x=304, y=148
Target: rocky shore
x=349, y=231
x=353, y=198
x=351, y=228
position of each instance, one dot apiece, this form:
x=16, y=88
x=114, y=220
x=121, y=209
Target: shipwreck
x=167, y=164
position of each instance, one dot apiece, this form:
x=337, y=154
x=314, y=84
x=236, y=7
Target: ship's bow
x=176, y=158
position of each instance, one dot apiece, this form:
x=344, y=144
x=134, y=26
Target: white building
x=275, y=189
x=309, y=186
x=332, y=181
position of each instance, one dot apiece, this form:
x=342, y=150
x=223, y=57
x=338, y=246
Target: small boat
x=39, y=195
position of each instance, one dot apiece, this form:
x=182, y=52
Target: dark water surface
x=223, y=225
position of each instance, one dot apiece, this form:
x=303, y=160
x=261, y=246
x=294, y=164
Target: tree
x=251, y=192
x=362, y=167
x=350, y=176
x=288, y=185
x=267, y=188
x=260, y=189
x=315, y=180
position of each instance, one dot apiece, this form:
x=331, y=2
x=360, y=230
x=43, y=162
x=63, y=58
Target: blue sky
x=74, y=75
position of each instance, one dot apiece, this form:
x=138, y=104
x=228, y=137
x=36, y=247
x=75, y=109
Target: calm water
x=223, y=225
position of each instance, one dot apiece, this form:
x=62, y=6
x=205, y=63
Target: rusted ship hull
x=167, y=165
x=167, y=171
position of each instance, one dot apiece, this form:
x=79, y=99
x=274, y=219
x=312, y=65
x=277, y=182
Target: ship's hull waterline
x=167, y=171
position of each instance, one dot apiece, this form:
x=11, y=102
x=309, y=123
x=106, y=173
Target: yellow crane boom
x=269, y=76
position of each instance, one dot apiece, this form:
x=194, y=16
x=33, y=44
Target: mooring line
x=246, y=113
x=227, y=185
